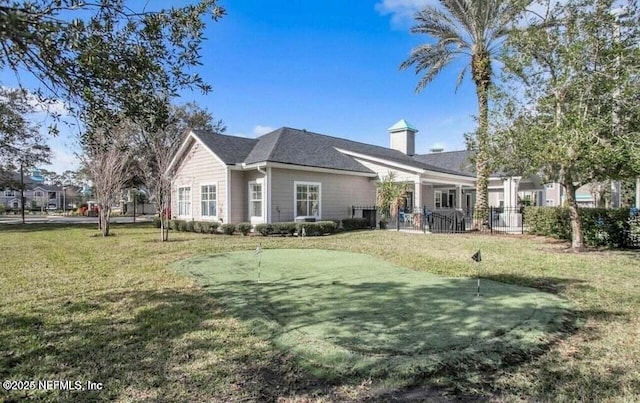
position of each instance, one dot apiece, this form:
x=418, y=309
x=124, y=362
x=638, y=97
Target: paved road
x=42, y=219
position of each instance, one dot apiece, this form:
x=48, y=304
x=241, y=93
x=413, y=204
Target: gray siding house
x=292, y=174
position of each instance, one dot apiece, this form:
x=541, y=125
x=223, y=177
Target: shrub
x=156, y=222
x=213, y=227
x=285, y=228
x=316, y=228
x=197, y=227
x=553, y=222
x=244, y=228
x=327, y=227
x=174, y=225
x=265, y=229
x=600, y=227
x=228, y=229
x=350, y=224
x=188, y=227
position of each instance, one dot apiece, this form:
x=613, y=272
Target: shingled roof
x=230, y=149
x=300, y=147
x=457, y=161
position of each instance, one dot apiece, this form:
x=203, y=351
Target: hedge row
x=600, y=227
x=281, y=228
x=291, y=228
x=350, y=224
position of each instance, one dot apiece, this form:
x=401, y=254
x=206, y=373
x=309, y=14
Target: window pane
x=302, y=208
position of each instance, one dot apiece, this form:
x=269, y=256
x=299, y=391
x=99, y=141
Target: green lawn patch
x=76, y=306
x=346, y=314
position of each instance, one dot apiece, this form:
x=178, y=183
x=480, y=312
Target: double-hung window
x=307, y=198
x=184, y=201
x=208, y=201
x=255, y=200
x=437, y=199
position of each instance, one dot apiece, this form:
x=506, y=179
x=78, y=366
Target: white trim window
x=184, y=201
x=38, y=193
x=549, y=202
x=307, y=199
x=9, y=193
x=255, y=200
x=208, y=201
x=550, y=185
x=437, y=199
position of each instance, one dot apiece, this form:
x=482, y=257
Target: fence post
x=491, y=219
x=398, y=218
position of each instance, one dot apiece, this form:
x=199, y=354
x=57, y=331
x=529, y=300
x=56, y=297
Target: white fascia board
x=444, y=178
x=279, y=165
x=185, y=145
x=382, y=161
x=179, y=153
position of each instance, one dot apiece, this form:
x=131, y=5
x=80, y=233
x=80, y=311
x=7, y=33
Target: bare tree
x=157, y=147
x=107, y=154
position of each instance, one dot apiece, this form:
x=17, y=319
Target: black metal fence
x=370, y=213
x=506, y=220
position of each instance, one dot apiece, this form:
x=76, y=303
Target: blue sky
x=330, y=67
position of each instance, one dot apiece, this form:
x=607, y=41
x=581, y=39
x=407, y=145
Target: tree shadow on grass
x=57, y=226
x=398, y=334
x=144, y=346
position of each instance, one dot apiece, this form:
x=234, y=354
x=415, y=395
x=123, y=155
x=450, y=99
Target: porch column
x=459, y=197
x=417, y=194
x=638, y=192
x=510, y=192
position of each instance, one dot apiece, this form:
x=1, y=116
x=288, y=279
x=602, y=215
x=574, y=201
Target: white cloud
x=402, y=11
x=260, y=130
x=52, y=106
x=62, y=159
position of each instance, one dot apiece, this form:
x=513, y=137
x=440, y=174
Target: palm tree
x=390, y=196
x=461, y=28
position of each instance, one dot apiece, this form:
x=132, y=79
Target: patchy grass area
x=348, y=314
x=78, y=307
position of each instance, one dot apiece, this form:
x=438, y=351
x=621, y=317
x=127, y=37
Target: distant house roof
x=303, y=148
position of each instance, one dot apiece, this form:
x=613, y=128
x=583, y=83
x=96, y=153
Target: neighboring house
x=291, y=174
x=38, y=196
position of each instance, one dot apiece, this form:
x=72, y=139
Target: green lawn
x=348, y=314
x=79, y=307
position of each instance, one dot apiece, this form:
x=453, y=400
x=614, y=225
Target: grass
x=346, y=314
x=79, y=307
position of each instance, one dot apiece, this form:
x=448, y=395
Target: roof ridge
x=343, y=139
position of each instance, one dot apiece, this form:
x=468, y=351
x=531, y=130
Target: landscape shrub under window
x=244, y=228
x=228, y=229
x=350, y=224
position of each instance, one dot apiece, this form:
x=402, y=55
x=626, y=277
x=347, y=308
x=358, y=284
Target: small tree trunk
x=104, y=220
x=577, y=238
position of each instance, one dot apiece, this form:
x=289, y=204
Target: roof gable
x=230, y=149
